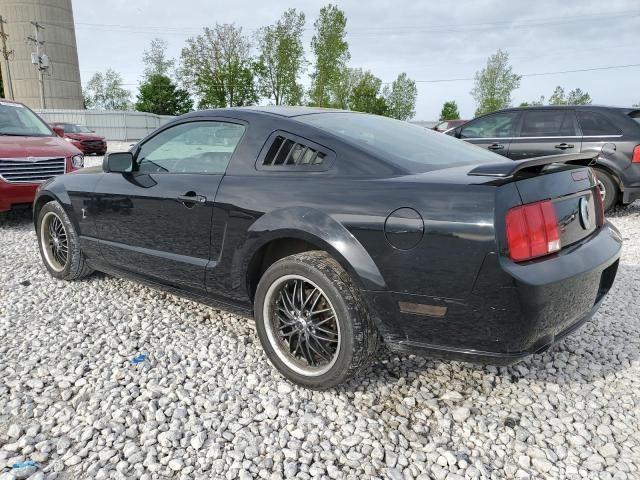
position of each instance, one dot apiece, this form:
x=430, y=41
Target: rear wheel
x=312, y=322
x=59, y=245
x=608, y=189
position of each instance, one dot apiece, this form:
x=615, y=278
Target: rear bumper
x=514, y=310
x=12, y=194
x=630, y=194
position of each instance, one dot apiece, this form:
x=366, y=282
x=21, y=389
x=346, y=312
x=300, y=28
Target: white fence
x=114, y=125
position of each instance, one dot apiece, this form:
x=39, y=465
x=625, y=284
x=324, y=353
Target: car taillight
x=636, y=154
x=532, y=231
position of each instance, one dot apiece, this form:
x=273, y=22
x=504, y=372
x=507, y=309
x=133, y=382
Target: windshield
x=414, y=148
x=70, y=128
x=16, y=119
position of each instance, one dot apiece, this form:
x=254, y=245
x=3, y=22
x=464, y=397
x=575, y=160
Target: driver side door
x=493, y=132
x=157, y=220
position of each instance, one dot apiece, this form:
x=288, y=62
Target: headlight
x=77, y=161
x=68, y=139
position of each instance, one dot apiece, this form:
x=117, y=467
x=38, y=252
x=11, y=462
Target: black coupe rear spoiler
x=510, y=168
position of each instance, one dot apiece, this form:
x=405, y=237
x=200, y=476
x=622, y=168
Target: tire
x=69, y=266
x=328, y=289
x=611, y=194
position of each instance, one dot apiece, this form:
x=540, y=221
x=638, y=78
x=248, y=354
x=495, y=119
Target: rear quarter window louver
x=289, y=152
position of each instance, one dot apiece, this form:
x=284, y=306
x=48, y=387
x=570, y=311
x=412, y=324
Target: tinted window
x=548, y=123
x=195, y=147
x=16, y=119
x=498, y=125
x=593, y=123
x=412, y=147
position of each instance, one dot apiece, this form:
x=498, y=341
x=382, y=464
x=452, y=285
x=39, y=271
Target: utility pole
x=6, y=54
x=40, y=61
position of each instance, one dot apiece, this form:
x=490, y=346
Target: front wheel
x=59, y=245
x=312, y=321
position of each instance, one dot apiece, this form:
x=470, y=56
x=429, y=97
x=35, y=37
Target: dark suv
x=520, y=133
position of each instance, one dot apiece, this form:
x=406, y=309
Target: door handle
x=495, y=146
x=564, y=146
x=191, y=197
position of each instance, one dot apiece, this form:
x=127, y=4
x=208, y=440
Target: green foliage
x=365, y=94
x=105, y=91
x=331, y=52
x=281, y=59
x=449, y=111
x=494, y=84
x=533, y=103
x=155, y=59
x=401, y=97
x=574, y=97
x=218, y=69
x=159, y=95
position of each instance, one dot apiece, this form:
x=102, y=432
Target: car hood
x=19, y=147
x=84, y=136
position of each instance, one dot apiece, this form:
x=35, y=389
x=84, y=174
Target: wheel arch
x=289, y=231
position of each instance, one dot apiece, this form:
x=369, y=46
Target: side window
x=548, y=123
x=593, y=123
x=193, y=147
x=285, y=151
x=498, y=125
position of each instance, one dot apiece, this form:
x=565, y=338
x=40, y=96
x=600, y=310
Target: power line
x=403, y=30
x=536, y=74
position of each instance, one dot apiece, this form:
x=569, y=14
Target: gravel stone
x=206, y=403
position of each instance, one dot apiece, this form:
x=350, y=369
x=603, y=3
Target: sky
x=429, y=40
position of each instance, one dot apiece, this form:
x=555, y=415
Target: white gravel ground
x=206, y=404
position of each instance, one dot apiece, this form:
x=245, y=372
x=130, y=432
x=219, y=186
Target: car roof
x=280, y=111
x=573, y=107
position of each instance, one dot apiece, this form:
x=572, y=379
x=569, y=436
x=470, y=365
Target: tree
x=557, y=97
x=155, y=59
x=578, y=97
x=533, y=103
x=449, y=111
x=217, y=68
x=401, y=97
x=105, y=91
x=575, y=97
x=281, y=59
x=331, y=52
x=637, y=105
x=365, y=95
x=494, y=84
x=159, y=95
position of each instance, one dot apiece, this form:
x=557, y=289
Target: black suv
x=520, y=133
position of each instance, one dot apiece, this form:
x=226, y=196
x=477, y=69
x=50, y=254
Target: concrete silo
x=61, y=79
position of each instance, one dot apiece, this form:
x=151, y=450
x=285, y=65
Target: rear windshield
x=18, y=120
x=411, y=147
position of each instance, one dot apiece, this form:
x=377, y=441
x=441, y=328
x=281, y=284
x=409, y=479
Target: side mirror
x=118, y=162
x=59, y=131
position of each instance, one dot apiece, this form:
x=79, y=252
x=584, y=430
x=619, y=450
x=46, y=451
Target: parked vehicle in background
x=85, y=139
x=30, y=153
x=521, y=133
x=448, y=125
x=337, y=229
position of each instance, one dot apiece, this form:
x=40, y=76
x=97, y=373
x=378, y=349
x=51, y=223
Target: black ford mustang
x=340, y=230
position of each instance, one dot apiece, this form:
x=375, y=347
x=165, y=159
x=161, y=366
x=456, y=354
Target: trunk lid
x=574, y=195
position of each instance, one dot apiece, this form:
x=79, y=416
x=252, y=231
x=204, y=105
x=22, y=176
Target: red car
x=30, y=153
x=81, y=137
